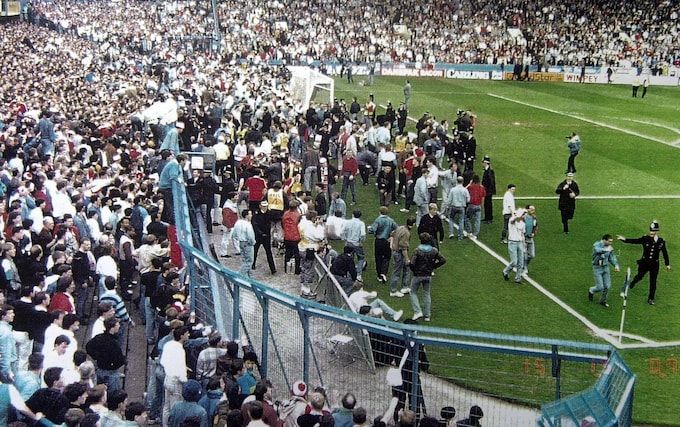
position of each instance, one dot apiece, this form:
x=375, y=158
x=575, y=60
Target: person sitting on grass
x=360, y=297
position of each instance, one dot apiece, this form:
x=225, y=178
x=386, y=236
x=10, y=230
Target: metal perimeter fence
x=516, y=380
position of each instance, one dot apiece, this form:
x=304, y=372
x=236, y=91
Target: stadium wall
x=669, y=76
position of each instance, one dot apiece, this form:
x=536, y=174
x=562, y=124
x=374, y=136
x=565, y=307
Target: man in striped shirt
x=119, y=307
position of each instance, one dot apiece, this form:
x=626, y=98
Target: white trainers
x=417, y=316
x=397, y=315
x=396, y=294
x=405, y=290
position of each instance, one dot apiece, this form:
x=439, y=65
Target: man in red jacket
x=350, y=168
x=291, y=235
x=229, y=218
x=257, y=188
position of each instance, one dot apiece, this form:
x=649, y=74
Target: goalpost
x=309, y=85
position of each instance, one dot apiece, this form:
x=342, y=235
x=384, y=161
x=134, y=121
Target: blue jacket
x=603, y=255
x=171, y=171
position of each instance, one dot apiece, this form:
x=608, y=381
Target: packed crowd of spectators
x=550, y=33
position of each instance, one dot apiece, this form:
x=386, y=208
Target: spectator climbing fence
x=516, y=380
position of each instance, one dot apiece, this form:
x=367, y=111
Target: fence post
x=236, y=312
x=414, y=350
x=556, y=370
x=307, y=341
x=262, y=298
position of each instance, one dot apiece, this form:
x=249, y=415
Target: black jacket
x=432, y=225
x=262, y=225
x=105, y=350
x=567, y=202
x=343, y=265
x=424, y=262
x=489, y=181
x=651, y=249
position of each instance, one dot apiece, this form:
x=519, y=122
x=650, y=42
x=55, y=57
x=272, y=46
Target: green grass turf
x=627, y=152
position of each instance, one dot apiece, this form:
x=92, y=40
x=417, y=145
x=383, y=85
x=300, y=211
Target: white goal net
x=308, y=85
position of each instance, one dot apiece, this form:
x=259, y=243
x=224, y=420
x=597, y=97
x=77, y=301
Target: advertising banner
x=411, y=72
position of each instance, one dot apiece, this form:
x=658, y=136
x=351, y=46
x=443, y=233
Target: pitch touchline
x=644, y=122
x=622, y=197
x=611, y=337
x=573, y=116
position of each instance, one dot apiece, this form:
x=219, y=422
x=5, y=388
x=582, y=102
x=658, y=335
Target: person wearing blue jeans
x=454, y=202
x=456, y=216
x=424, y=261
x=516, y=232
x=416, y=283
x=603, y=256
x=354, y=234
x=529, y=234
x=350, y=168
x=149, y=282
x=473, y=220
x=473, y=214
x=400, y=274
x=245, y=236
x=360, y=298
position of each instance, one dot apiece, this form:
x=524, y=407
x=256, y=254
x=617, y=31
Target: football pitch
x=628, y=175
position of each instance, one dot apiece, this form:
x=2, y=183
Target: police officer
x=652, y=246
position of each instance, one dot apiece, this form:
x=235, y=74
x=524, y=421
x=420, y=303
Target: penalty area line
x=583, y=119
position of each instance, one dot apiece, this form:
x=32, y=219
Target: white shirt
x=240, y=151
x=37, y=216
x=52, y=359
x=516, y=229
x=433, y=177
x=146, y=253
x=360, y=298
x=98, y=327
x=173, y=360
x=334, y=226
x=107, y=215
x=266, y=146
x=61, y=204
x=106, y=266
x=51, y=334
x=388, y=157
x=95, y=230
x=508, y=203
x=221, y=151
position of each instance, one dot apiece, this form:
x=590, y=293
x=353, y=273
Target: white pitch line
x=611, y=337
x=573, y=116
x=590, y=325
x=621, y=197
x=659, y=125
